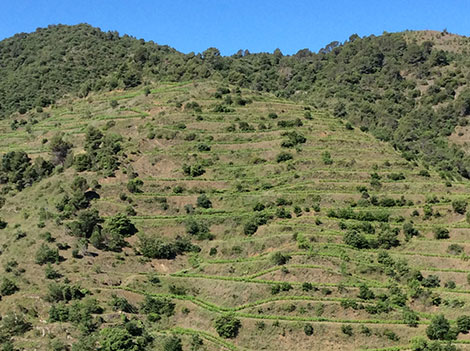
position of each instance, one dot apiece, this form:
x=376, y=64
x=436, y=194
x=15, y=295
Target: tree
x=116, y=339
x=459, y=206
x=365, y=293
x=463, y=324
x=157, y=305
x=199, y=229
x=227, y=326
x=203, y=201
x=46, y=254
x=355, y=239
x=87, y=222
x=115, y=229
x=411, y=318
x=283, y=157
x=441, y=233
x=8, y=287
x=59, y=148
x=134, y=185
x=79, y=184
x=173, y=344
x=439, y=329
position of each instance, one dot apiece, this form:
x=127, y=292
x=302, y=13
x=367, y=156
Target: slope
x=309, y=232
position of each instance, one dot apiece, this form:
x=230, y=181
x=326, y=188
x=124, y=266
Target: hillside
x=152, y=200
x=311, y=233
x=410, y=88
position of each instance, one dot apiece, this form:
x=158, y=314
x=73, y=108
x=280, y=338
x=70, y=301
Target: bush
x=153, y=247
x=281, y=212
x=14, y=324
x=424, y=173
x=326, y=157
x=46, y=254
x=439, y=329
x=279, y=259
x=87, y=222
x=459, y=206
x=250, y=227
x=356, y=240
x=431, y=281
x=455, y=249
x=134, y=185
x=158, y=305
x=64, y=292
x=441, y=233
x=173, y=344
x=227, y=326
x=116, y=338
x=463, y=324
x=411, y=318
x=51, y=273
x=121, y=304
x=8, y=287
x=409, y=230
x=365, y=293
x=203, y=201
x=203, y=147
x=199, y=229
x=194, y=170
x=347, y=329
x=283, y=157
x=396, y=176
x=293, y=139
x=308, y=329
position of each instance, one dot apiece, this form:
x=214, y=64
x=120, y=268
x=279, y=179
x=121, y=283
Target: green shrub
x=463, y=324
x=194, y=170
x=347, y=329
x=272, y=115
x=154, y=247
x=64, y=292
x=172, y=344
x=199, y=229
x=117, y=338
x=283, y=157
x=365, y=293
x=326, y=157
x=46, y=254
x=411, y=318
x=279, y=258
x=431, y=281
x=308, y=329
x=459, y=206
x=8, y=287
x=356, y=240
x=133, y=185
x=158, y=305
x=227, y=326
x=441, y=233
x=439, y=329
x=203, y=201
x=51, y=273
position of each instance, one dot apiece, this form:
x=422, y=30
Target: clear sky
x=230, y=25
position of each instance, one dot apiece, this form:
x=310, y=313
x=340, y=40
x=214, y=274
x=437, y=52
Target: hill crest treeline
x=403, y=89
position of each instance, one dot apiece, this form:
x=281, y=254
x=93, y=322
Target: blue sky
x=230, y=25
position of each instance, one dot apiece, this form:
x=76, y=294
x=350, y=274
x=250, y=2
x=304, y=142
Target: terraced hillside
x=260, y=224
